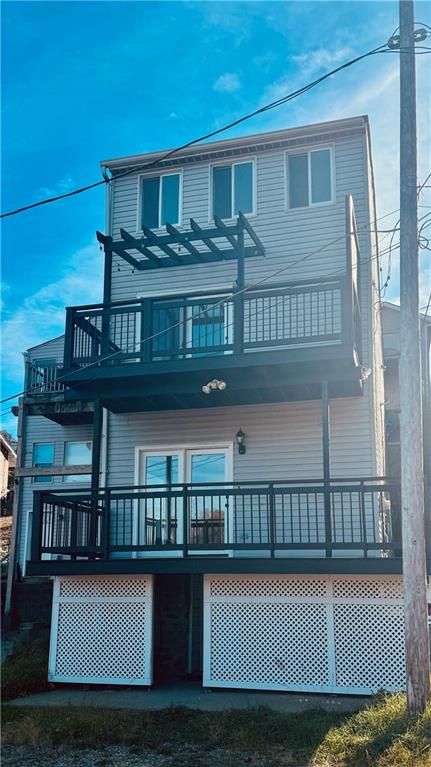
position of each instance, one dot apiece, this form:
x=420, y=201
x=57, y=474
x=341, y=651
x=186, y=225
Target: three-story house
x=217, y=504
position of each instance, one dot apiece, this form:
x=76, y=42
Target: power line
x=147, y=166
x=222, y=301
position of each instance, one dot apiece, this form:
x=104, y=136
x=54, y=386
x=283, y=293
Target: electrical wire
x=247, y=288
x=146, y=166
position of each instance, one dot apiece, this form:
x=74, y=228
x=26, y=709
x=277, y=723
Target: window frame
x=87, y=479
x=228, y=163
x=50, y=478
x=309, y=151
x=141, y=179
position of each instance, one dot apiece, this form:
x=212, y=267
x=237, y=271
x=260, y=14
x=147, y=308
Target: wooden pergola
x=195, y=246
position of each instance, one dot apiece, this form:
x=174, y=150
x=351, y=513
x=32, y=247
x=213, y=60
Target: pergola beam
x=233, y=233
x=133, y=243
x=184, y=241
x=203, y=236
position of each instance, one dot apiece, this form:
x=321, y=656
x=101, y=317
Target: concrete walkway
x=190, y=694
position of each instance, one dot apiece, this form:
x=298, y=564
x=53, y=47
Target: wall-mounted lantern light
x=240, y=441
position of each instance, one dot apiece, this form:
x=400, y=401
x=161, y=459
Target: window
x=232, y=189
x=160, y=200
x=43, y=457
x=309, y=177
x=77, y=454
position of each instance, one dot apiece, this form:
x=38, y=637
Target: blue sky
x=82, y=81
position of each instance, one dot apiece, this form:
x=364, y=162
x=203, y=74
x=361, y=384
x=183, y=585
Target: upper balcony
x=269, y=341
x=47, y=395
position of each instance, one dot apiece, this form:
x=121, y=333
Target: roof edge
x=358, y=122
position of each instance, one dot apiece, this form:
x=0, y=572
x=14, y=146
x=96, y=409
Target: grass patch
x=26, y=670
x=382, y=735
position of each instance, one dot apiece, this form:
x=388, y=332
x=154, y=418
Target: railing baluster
x=272, y=518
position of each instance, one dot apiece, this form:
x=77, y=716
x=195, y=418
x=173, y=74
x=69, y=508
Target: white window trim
x=141, y=177
x=227, y=163
x=183, y=450
x=33, y=444
x=308, y=151
x=76, y=442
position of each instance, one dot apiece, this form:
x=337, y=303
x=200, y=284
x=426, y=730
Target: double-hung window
x=309, y=178
x=233, y=189
x=77, y=454
x=160, y=200
x=43, y=458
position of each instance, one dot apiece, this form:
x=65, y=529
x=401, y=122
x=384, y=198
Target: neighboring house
x=7, y=464
x=222, y=414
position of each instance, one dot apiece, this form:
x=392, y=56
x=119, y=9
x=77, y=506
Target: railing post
x=363, y=518
x=185, y=520
x=272, y=518
x=326, y=469
x=104, y=344
x=74, y=528
x=145, y=348
x=106, y=525
x=36, y=527
x=238, y=302
x=69, y=337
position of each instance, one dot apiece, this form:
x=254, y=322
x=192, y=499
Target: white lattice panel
x=102, y=630
x=369, y=646
x=256, y=587
x=312, y=634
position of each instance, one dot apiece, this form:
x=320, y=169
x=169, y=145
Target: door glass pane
x=222, y=192
x=320, y=175
x=166, y=329
x=170, y=199
x=298, y=180
x=207, y=327
x=207, y=509
x=243, y=180
x=161, y=469
x=161, y=515
x=150, y=202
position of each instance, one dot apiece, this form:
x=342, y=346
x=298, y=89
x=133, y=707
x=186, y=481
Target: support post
x=238, y=306
x=16, y=521
x=326, y=468
x=412, y=481
x=107, y=279
x=95, y=470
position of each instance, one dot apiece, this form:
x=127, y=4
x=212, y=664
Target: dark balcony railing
x=42, y=380
x=213, y=322
x=264, y=518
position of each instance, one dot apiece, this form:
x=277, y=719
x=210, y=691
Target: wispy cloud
x=65, y=184
x=320, y=59
x=227, y=83
x=41, y=315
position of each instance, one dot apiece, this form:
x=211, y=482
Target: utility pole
x=412, y=480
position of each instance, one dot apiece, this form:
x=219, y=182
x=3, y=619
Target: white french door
x=159, y=521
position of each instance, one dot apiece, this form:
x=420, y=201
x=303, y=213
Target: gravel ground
x=190, y=756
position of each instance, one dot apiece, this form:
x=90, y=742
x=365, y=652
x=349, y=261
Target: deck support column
x=326, y=467
x=95, y=471
x=238, y=303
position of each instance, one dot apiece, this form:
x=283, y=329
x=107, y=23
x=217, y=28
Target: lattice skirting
x=102, y=630
x=304, y=633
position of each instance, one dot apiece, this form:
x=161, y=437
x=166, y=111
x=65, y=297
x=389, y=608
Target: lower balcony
x=293, y=526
